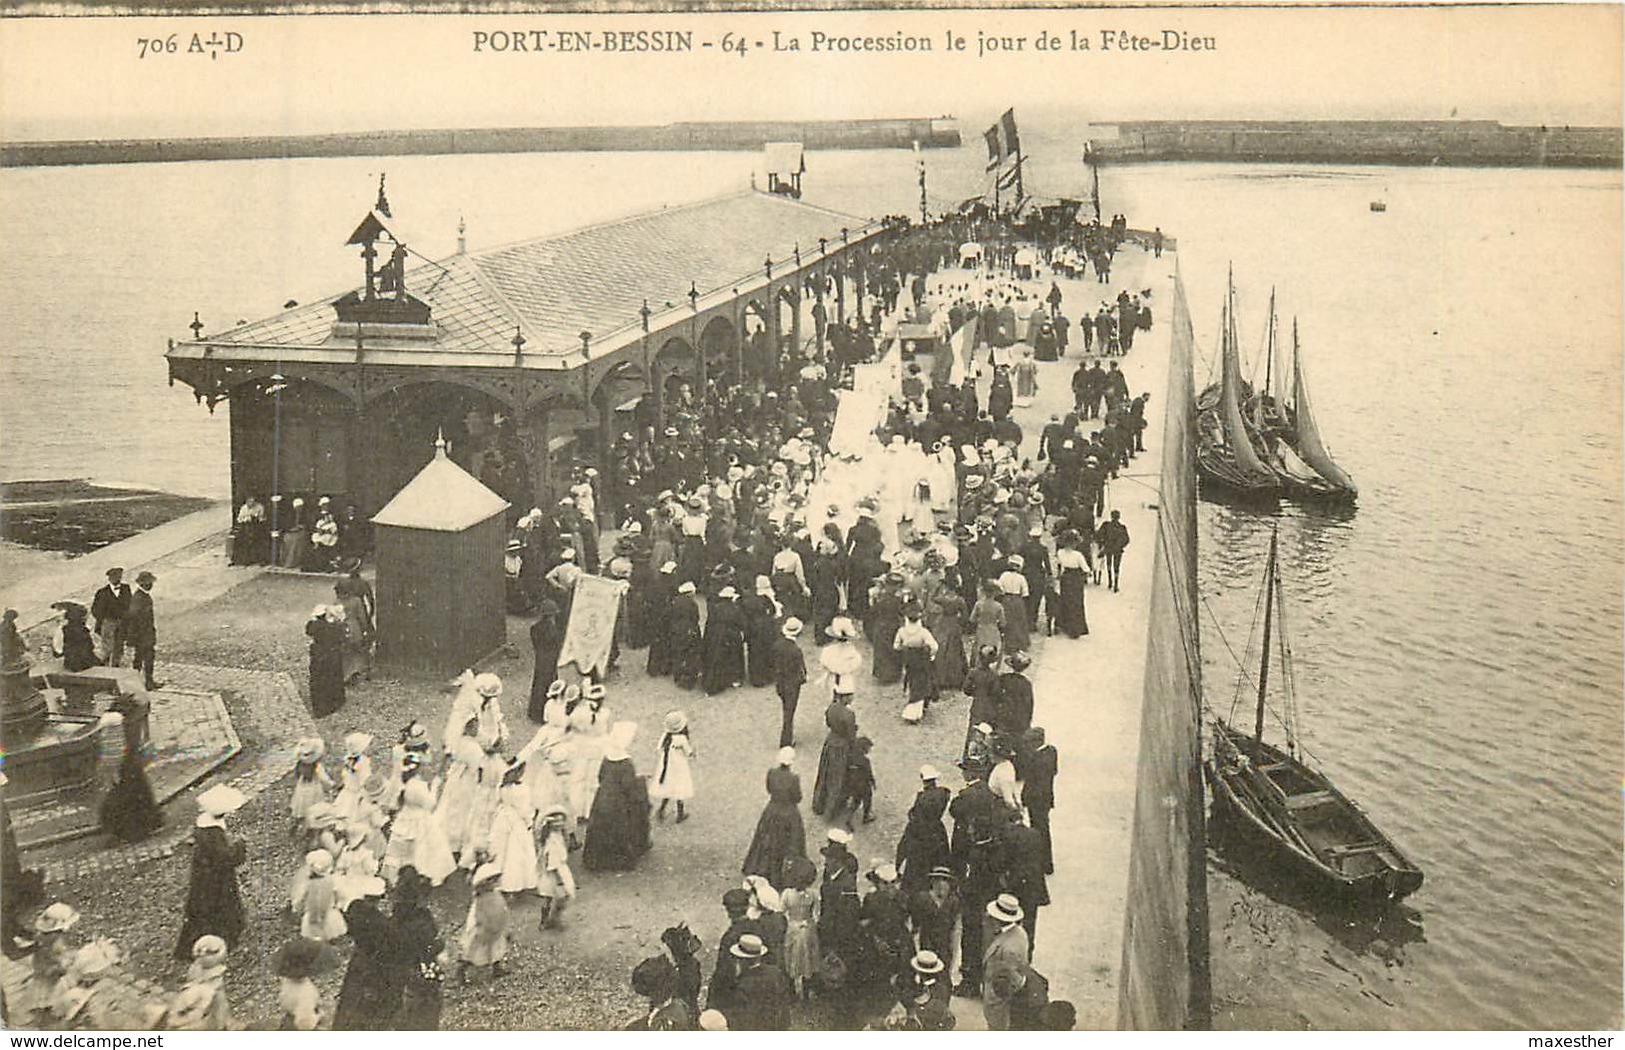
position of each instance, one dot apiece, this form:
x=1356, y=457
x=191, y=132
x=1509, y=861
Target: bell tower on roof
x=382, y=298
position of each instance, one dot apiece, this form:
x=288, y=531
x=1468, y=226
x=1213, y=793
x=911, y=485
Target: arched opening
x=481, y=435
x=676, y=378
x=720, y=343
x=759, y=349
x=291, y=438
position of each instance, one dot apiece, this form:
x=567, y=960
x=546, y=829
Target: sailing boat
x=1286, y=809
x=1226, y=455
x=1275, y=426
x=1304, y=434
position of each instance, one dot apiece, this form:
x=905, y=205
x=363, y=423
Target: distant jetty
x=1480, y=143
x=900, y=133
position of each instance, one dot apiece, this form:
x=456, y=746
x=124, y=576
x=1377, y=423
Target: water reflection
x=1379, y=929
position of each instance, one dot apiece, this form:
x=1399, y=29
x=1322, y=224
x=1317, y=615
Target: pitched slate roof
x=593, y=279
x=443, y=497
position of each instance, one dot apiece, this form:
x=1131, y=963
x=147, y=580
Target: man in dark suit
x=140, y=626
x=1113, y=539
x=110, y=607
x=789, y=674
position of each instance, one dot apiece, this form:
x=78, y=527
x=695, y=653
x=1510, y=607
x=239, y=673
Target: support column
x=775, y=338
x=840, y=290
x=795, y=332
x=609, y=488
x=533, y=438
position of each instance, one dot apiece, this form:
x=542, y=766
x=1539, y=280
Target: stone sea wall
x=1164, y=982
x=900, y=133
x=1485, y=143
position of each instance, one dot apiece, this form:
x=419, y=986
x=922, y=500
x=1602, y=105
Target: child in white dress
x=314, y=902
x=674, y=776
x=310, y=785
x=513, y=838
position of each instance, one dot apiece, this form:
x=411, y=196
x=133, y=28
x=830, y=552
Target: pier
x=1125, y=935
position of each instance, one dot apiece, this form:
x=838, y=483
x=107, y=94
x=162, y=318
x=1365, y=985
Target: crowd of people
x=743, y=535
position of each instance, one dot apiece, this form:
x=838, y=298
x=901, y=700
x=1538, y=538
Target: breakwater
x=900, y=133
x=1483, y=143
x=1164, y=982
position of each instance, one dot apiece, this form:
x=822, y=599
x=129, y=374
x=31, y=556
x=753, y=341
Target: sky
x=304, y=74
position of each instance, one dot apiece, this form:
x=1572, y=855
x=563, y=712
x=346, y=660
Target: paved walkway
x=1089, y=691
x=187, y=555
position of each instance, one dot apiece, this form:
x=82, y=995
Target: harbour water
x=1457, y=638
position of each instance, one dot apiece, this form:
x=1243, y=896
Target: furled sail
x=1310, y=445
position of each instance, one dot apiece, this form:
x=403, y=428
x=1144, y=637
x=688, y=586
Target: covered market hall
x=529, y=358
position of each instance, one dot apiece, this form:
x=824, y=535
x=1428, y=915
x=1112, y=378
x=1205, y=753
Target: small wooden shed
x=439, y=546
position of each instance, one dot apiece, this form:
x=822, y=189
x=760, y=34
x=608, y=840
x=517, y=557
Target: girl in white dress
x=556, y=883
x=416, y=838
x=513, y=836
x=313, y=899
x=674, y=777
x=464, y=760
x=353, y=776
x=310, y=786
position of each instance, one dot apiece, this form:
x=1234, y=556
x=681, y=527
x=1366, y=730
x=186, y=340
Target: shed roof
x=442, y=498
x=594, y=279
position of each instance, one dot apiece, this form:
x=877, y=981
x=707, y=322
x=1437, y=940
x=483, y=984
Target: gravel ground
x=575, y=977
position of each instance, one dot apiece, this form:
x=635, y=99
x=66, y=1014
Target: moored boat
x=1226, y=457
x=1284, y=429
x=1274, y=803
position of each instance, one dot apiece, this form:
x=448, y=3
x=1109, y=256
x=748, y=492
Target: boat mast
x=1259, y=419
x=1269, y=356
x=1264, y=661
x=1288, y=679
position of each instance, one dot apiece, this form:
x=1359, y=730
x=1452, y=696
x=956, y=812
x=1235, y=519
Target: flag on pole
x=1007, y=124
x=995, y=147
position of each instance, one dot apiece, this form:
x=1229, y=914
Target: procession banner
x=591, y=631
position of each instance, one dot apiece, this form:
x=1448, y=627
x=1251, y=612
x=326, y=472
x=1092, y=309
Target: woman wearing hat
x=1014, y=713
x=839, y=912
x=824, y=576
x=780, y=837
x=656, y=980
x=618, y=829
x=802, y=957
x=661, y=601
x=989, y=616
x=130, y=812
x=885, y=619
x=214, y=903
x=327, y=633
x=674, y=776
x=1072, y=568
x=830, y=787
x=723, y=643
x=683, y=627
x=1013, y=591
x=761, y=611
